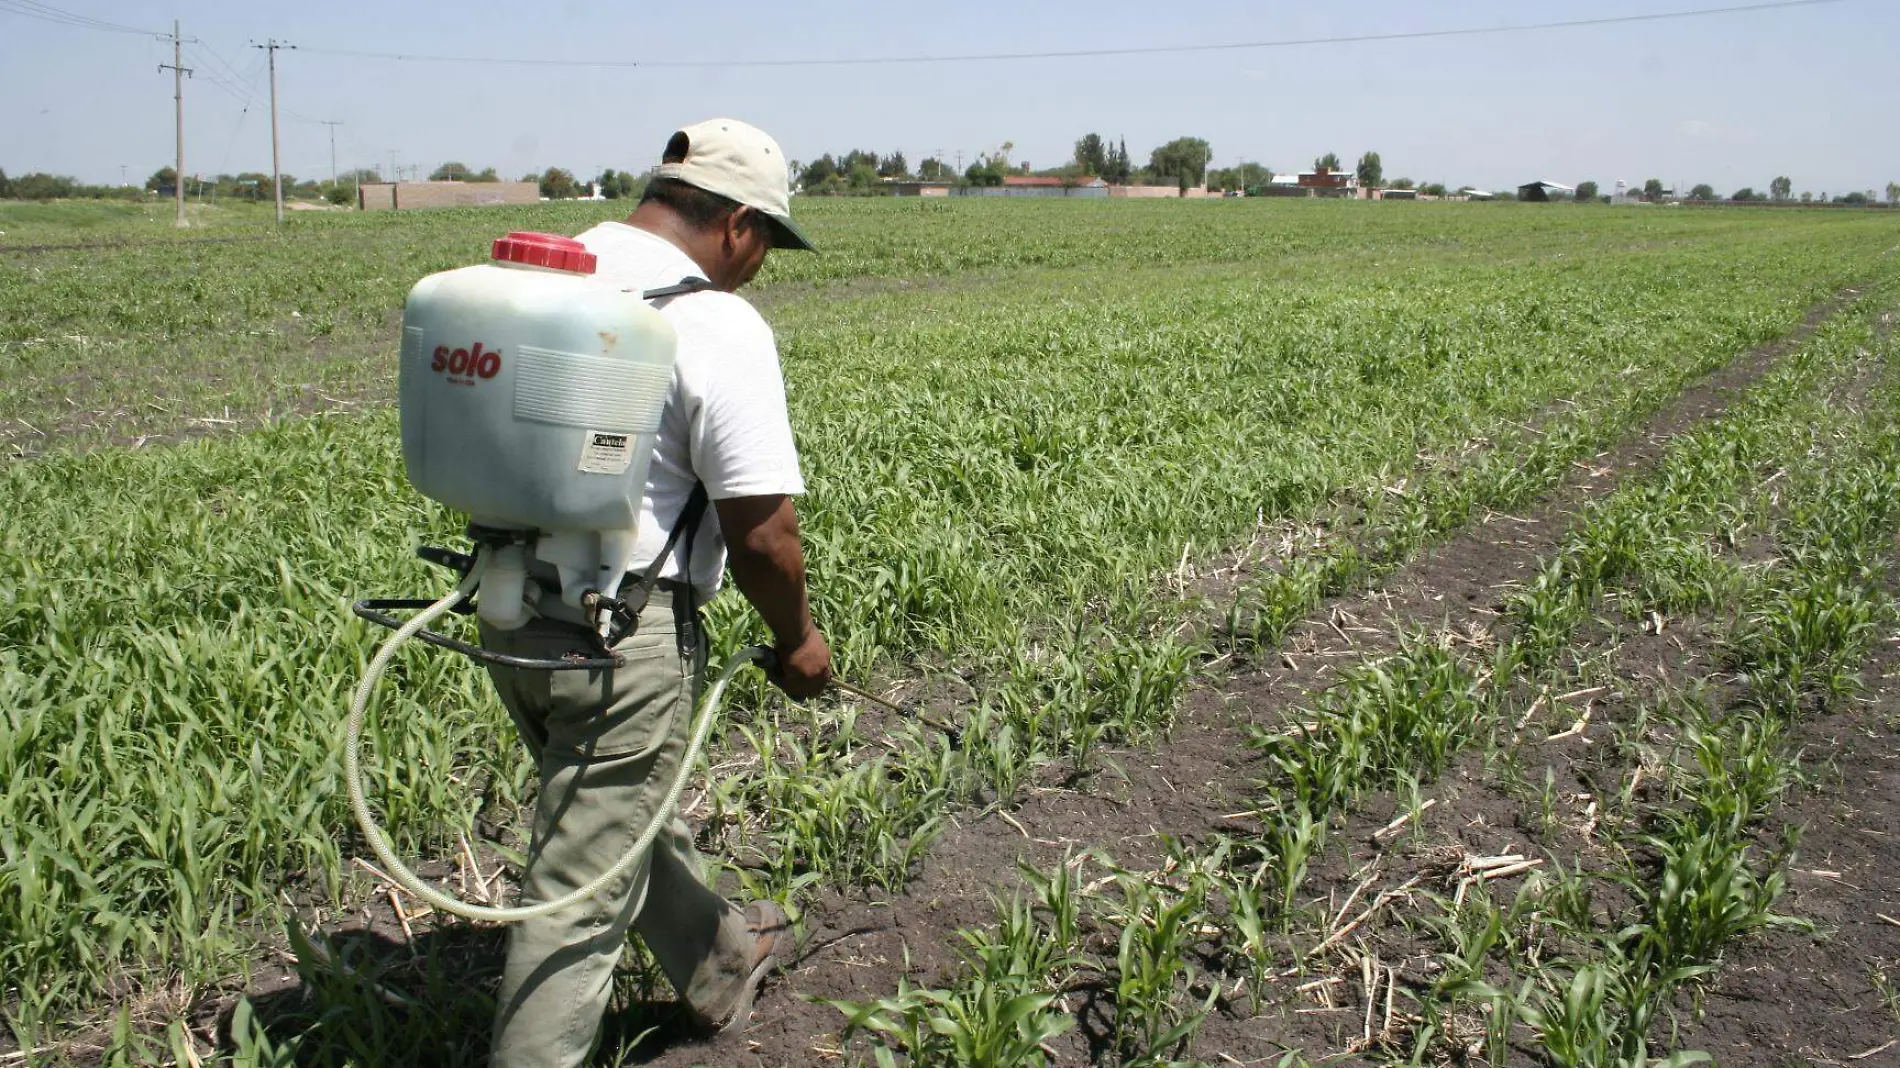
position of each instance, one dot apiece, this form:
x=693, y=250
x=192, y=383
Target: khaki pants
x=609, y=744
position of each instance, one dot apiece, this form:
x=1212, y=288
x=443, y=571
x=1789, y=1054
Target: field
x=1378, y=633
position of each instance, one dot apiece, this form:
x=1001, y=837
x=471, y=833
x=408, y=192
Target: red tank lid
x=545, y=250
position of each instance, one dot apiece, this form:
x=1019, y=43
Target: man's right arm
x=768, y=565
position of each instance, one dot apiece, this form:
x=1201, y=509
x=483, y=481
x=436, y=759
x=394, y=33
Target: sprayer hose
x=408, y=880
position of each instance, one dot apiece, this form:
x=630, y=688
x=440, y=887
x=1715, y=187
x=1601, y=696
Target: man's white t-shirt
x=725, y=422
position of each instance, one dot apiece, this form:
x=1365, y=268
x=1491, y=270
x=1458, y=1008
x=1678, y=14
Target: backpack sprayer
x=530, y=397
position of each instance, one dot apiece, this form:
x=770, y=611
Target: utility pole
x=179, y=71
x=276, y=168
x=332, y=124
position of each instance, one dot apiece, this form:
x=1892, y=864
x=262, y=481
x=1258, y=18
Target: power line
x=34, y=10
x=243, y=90
x=235, y=131
x=218, y=68
x=240, y=90
x=1148, y=50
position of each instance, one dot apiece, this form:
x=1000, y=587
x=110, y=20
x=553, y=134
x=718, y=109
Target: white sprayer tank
x=530, y=395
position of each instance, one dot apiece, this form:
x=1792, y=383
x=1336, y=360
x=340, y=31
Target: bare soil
x=1785, y=997
x=1771, y=1002
x=1198, y=781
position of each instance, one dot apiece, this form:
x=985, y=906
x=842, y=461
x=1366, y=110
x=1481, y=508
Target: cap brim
x=786, y=234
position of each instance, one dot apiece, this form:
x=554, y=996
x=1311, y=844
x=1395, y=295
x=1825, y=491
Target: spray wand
x=907, y=710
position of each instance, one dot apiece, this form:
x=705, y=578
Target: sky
x=1732, y=100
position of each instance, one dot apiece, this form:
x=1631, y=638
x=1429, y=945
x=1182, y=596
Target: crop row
x=997, y=482
x=340, y=269
x=102, y=345
x=1592, y=984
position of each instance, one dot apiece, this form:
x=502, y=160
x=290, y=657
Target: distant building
x=1157, y=192
x=1397, y=194
x=1329, y=183
x=398, y=196
x=1544, y=190
x=1317, y=183
x=919, y=188
x=1031, y=185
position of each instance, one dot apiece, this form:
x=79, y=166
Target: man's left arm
x=767, y=559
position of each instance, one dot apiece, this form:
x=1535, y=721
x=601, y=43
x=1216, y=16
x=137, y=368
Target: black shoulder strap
x=678, y=289
x=686, y=528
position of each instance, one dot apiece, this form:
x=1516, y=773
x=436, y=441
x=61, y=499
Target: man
x=609, y=743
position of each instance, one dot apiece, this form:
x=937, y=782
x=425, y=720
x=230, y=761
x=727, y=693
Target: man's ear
x=741, y=220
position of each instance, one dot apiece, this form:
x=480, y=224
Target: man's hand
x=804, y=670
x=768, y=566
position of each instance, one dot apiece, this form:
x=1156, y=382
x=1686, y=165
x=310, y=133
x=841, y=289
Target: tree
x=339, y=194
x=934, y=170
x=487, y=175
x=1745, y=194
x=1857, y=199
x=609, y=182
x=451, y=171
x=6, y=185
x=1120, y=169
x=1241, y=176
x=1807, y=197
x=986, y=171
x=251, y=185
x=1184, y=159
x=37, y=185
x=1328, y=162
x=855, y=158
x=1432, y=189
x=1371, y=170
x=1653, y=190
x=818, y=172
x=558, y=183
x=894, y=166
x=1703, y=192
x=1586, y=191
x=1780, y=188
x=1402, y=183
x=162, y=178
x=1091, y=154
x=1893, y=189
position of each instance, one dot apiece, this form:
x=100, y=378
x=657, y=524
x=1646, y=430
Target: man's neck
x=655, y=219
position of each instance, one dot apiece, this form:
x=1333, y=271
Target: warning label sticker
x=607, y=454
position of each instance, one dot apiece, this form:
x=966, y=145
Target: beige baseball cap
x=742, y=163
